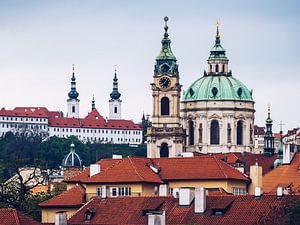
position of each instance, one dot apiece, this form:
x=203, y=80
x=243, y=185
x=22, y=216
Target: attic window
x=298, y=168
x=89, y=214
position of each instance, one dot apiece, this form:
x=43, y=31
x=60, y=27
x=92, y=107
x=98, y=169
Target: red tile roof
x=267, y=162
x=10, y=216
x=284, y=176
x=74, y=197
x=131, y=169
x=204, y=167
x=137, y=169
x=94, y=120
x=40, y=112
x=259, y=130
x=238, y=210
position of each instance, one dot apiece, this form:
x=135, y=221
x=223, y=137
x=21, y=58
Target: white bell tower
x=115, y=101
x=73, y=101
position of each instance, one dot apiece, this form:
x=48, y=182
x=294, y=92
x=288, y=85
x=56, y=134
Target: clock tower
x=165, y=137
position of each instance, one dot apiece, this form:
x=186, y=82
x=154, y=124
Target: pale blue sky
x=40, y=40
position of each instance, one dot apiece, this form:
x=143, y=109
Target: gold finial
x=166, y=19
x=218, y=25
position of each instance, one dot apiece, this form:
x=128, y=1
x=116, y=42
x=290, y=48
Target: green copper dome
x=217, y=88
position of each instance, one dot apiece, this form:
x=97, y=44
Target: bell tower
x=165, y=137
x=73, y=101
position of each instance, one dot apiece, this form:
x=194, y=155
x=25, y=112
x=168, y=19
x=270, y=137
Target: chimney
x=61, y=218
x=163, y=190
x=157, y=219
x=114, y=156
x=200, y=200
x=256, y=178
x=279, y=191
x=94, y=169
x=186, y=196
x=258, y=192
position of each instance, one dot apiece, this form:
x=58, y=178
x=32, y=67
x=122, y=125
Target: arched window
x=116, y=110
x=223, y=68
x=214, y=132
x=191, y=132
x=210, y=68
x=200, y=133
x=228, y=133
x=164, y=150
x=165, y=106
x=239, y=133
x=73, y=109
x=217, y=68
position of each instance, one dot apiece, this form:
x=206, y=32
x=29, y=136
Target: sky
x=40, y=40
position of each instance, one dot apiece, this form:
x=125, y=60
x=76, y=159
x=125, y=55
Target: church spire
x=269, y=139
x=115, y=94
x=73, y=94
x=166, y=60
x=93, y=102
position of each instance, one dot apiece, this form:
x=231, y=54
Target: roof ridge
x=221, y=168
x=135, y=169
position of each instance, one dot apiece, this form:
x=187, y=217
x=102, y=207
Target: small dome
x=219, y=87
x=72, y=159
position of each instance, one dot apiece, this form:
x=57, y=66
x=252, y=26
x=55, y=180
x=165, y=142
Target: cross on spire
x=166, y=24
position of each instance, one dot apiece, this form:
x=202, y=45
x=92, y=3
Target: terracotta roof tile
x=40, y=112
x=130, y=169
x=203, y=167
x=74, y=197
x=237, y=210
x=283, y=175
x=10, y=216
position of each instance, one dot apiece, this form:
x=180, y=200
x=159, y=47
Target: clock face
x=164, y=82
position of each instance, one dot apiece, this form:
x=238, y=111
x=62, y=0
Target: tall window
x=116, y=110
x=214, y=133
x=73, y=109
x=228, y=133
x=164, y=150
x=191, y=132
x=165, y=106
x=200, y=133
x=217, y=68
x=239, y=133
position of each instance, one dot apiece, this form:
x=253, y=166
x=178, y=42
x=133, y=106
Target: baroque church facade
x=215, y=113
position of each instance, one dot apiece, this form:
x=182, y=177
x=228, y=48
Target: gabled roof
x=131, y=169
x=237, y=210
x=284, y=176
x=74, y=197
x=10, y=216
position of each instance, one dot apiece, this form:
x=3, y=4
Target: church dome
x=72, y=159
x=221, y=87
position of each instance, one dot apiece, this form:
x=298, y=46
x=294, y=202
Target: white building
x=93, y=128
